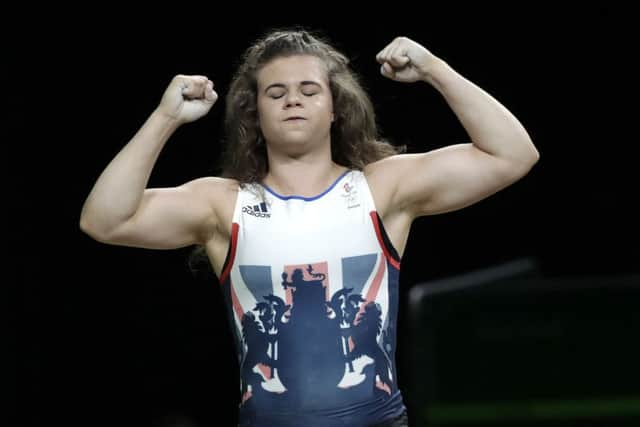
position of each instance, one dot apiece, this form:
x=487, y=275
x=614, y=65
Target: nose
x=292, y=99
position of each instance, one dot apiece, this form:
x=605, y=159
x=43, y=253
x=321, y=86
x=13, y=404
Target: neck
x=305, y=176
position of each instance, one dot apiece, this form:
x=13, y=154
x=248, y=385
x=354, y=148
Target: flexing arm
x=119, y=208
x=500, y=152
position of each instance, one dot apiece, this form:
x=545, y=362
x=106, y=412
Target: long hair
x=355, y=141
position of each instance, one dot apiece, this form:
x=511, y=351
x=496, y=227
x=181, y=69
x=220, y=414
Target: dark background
x=123, y=335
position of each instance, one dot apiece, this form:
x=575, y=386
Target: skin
x=404, y=186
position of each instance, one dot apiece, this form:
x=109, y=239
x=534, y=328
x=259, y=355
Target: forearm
x=118, y=191
x=491, y=127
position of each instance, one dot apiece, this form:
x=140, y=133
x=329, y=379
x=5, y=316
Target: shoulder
x=395, y=180
x=219, y=193
x=213, y=186
x=383, y=174
x=382, y=177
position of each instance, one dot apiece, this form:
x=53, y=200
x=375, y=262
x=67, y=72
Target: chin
x=295, y=147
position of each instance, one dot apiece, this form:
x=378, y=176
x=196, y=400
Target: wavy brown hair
x=355, y=141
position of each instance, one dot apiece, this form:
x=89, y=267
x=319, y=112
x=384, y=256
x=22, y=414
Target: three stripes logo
x=260, y=211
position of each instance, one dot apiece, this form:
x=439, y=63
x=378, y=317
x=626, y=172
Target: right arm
x=121, y=210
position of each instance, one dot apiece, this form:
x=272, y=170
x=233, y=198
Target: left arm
x=449, y=178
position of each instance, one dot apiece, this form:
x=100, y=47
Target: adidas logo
x=260, y=211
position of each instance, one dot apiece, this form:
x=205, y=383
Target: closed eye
x=277, y=96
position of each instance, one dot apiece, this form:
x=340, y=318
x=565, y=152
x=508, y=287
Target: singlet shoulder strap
x=360, y=181
x=247, y=194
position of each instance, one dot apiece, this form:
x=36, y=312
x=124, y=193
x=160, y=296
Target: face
x=295, y=107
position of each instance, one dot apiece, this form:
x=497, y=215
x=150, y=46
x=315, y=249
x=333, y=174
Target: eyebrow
x=302, y=83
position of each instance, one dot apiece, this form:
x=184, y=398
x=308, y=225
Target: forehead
x=292, y=69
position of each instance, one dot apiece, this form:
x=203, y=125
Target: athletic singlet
x=311, y=286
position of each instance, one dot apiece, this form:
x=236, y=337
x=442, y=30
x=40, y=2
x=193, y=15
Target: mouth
x=294, y=118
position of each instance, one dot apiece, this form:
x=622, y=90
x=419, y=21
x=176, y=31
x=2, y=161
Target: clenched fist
x=404, y=60
x=187, y=98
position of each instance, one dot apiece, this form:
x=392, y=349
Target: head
x=295, y=106
x=343, y=113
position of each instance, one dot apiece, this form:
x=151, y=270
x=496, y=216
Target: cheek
x=263, y=116
x=265, y=112
x=266, y=122
x=326, y=107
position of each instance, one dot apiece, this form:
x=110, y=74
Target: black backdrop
x=122, y=334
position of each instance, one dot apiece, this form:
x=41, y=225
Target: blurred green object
x=509, y=346
x=535, y=410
